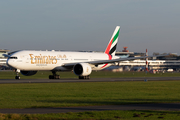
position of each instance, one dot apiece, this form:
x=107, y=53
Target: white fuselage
x=54, y=60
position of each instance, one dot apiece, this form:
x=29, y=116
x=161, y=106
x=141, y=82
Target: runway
x=10, y=81
x=163, y=106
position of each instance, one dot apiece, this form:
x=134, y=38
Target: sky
x=87, y=25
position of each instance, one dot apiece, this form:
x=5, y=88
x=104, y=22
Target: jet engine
x=28, y=73
x=82, y=69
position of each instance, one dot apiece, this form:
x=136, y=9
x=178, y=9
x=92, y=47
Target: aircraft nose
x=11, y=63
x=8, y=62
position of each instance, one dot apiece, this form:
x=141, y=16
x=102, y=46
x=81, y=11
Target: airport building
x=160, y=63
x=152, y=64
x=2, y=58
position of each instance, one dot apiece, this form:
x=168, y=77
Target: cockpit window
x=13, y=58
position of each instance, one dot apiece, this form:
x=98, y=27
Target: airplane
x=28, y=62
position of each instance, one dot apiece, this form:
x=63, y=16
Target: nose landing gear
x=17, y=77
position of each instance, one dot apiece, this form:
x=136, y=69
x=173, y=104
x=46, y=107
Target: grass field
x=32, y=95
x=95, y=74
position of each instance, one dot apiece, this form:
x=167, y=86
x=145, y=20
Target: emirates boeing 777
x=28, y=62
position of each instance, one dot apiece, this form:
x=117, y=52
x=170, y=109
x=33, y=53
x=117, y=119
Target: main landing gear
x=84, y=77
x=54, y=76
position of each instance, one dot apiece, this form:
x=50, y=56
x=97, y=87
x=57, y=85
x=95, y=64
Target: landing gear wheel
x=81, y=77
x=84, y=77
x=51, y=77
x=88, y=77
x=57, y=77
x=17, y=77
x=54, y=76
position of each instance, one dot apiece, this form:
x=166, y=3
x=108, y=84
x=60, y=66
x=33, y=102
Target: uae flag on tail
x=111, y=48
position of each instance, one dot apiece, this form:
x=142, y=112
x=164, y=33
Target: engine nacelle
x=28, y=73
x=82, y=69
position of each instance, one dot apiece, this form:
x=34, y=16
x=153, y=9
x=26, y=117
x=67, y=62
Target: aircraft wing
x=111, y=61
x=120, y=59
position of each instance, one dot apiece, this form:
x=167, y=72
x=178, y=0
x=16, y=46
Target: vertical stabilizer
x=111, y=48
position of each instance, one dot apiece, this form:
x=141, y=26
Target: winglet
x=111, y=48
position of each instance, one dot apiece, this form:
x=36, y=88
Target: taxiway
x=163, y=106
x=10, y=81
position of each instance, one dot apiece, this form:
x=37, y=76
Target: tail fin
x=111, y=48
